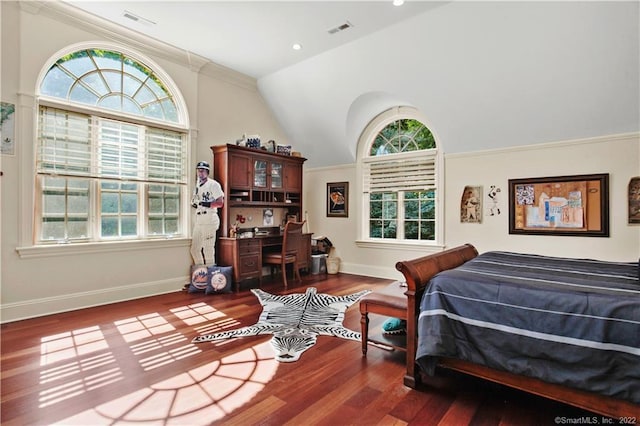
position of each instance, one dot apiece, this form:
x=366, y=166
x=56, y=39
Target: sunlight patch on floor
x=198, y=396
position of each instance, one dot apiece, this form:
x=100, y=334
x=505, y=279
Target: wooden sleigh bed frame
x=417, y=273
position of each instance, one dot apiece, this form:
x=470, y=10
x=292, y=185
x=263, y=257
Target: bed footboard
x=417, y=273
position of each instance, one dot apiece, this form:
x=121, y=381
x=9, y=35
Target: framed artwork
x=7, y=128
x=338, y=199
x=634, y=200
x=471, y=205
x=562, y=205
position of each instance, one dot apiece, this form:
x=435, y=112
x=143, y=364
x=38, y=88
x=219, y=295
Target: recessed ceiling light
x=297, y=46
x=398, y=2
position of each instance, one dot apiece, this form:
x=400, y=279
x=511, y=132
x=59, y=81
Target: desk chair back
x=291, y=242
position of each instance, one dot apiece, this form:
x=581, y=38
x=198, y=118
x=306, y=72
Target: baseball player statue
x=207, y=197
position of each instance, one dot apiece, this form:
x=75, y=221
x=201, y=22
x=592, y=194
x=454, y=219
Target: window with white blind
x=400, y=181
x=111, y=152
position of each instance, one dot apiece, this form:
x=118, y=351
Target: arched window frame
x=365, y=142
x=149, y=186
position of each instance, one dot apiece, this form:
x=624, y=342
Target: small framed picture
x=338, y=199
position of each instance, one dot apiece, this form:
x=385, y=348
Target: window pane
x=131, y=107
x=54, y=203
x=156, y=204
x=389, y=228
x=80, y=94
x=170, y=110
x=411, y=230
x=428, y=209
x=78, y=228
x=428, y=231
x=109, y=227
x=171, y=226
x=113, y=102
x=114, y=81
x=375, y=210
x=79, y=202
x=390, y=210
x=144, y=95
x=375, y=228
x=172, y=204
x=78, y=63
x=412, y=209
x=136, y=69
x=57, y=83
x=53, y=229
x=129, y=203
x=129, y=226
x=110, y=203
x=96, y=83
x=153, y=110
x=108, y=60
x=156, y=226
x=131, y=85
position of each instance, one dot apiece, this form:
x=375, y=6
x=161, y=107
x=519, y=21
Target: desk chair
x=291, y=241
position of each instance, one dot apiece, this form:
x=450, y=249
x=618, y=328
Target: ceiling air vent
x=340, y=27
x=137, y=18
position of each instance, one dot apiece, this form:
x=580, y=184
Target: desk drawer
x=250, y=265
x=248, y=246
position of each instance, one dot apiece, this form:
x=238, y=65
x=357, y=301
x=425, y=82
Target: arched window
x=400, y=164
x=111, y=150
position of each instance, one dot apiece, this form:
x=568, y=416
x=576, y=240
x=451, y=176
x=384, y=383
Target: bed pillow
x=219, y=279
x=199, y=279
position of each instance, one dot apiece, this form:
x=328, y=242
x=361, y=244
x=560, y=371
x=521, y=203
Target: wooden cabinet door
x=293, y=177
x=240, y=168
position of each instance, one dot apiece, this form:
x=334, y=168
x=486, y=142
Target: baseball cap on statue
x=203, y=165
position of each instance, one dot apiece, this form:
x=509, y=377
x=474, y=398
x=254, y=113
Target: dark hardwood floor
x=133, y=363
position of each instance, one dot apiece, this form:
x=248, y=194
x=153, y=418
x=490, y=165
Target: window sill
x=72, y=249
x=427, y=247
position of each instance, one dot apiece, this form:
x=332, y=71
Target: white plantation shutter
x=64, y=143
x=166, y=157
x=75, y=144
x=411, y=171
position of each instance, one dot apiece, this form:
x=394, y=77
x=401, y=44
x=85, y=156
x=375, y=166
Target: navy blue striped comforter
x=574, y=322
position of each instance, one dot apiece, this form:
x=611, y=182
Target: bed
x=567, y=329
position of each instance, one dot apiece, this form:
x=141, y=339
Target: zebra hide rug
x=295, y=320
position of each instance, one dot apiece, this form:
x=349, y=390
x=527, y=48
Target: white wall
x=617, y=155
x=34, y=281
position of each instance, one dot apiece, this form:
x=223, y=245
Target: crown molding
x=78, y=18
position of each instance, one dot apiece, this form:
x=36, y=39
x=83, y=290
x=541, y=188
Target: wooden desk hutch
x=255, y=178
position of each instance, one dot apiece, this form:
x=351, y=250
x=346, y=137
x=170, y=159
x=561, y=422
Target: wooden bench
x=389, y=301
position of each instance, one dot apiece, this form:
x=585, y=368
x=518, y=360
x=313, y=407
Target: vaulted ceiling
x=484, y=75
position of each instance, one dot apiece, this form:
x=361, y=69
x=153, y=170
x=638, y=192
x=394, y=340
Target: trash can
x=318, y=264
x=333, y=265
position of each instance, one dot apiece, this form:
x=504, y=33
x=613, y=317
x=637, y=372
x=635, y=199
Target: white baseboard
x=70, y=302
x=389, y=272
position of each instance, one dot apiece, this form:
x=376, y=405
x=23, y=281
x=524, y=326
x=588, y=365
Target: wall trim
x=74, y=249
x=547, y=145
x=326, y=168
x=70, y=302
